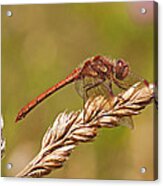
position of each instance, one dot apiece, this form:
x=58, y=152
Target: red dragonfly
x=96, y=71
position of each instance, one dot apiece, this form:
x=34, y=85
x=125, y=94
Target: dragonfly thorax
x=98, y=66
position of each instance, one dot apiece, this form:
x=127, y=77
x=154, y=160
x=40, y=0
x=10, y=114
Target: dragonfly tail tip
x=17, y=119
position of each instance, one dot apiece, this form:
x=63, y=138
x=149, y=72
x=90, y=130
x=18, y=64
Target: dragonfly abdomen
x=32, y=104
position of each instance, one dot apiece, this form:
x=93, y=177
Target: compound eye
x=120, y=63
x=121, y=69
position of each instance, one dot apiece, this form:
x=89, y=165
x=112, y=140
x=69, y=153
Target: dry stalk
x=70, y=129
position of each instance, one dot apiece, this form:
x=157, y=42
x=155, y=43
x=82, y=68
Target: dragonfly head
x=121, y=69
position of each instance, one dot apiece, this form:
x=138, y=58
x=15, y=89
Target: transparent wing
x=92, y=87
x=130, y=80
x=126, y=121
x=88, y=87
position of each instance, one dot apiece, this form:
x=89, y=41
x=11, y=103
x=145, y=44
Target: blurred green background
x=41, y=45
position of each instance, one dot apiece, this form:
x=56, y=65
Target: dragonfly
x=95, y=73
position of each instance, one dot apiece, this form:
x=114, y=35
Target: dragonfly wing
x=82, y=85
x=91, y=87
x=98, y=87
x=88, y=87
x=133, y=78
x=126, y=83
x=126, y=121
x=79, y=87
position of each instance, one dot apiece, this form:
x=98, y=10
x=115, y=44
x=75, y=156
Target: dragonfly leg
x=120, y=84
x=87, y=85
x=109, y=88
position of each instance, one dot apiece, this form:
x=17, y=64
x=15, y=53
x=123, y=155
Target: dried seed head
x=70, y=129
